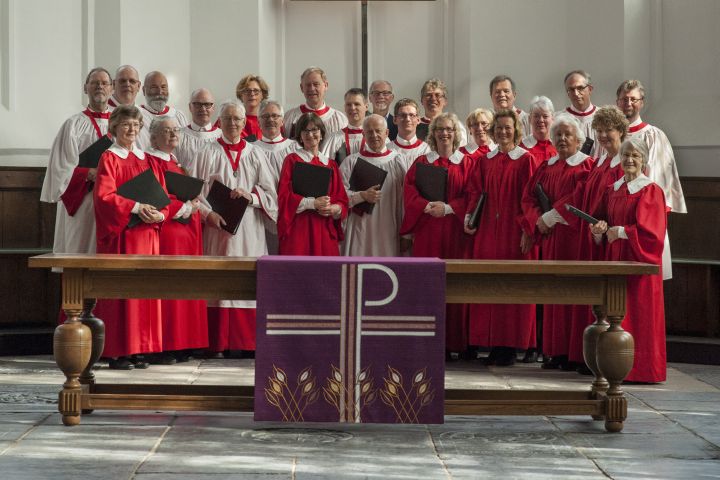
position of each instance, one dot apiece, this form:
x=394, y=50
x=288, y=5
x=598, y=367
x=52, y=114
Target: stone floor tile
x=644, y=445
x=660, y=469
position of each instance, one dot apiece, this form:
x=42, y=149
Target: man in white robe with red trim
x=661, y=167
x=578, y=86
x=503, y=94
x=199, y=132
x=407, y=143
x=126, y=86
x=348, y=140
x=157, y=93
x=314, y=85
x=66, y=183
x=240, y=166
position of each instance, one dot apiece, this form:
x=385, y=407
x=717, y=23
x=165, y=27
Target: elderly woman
x=437, y=225
x=184, y=321
x=251, y=90
x=131, y=326
x=541, y=119
x=501, y=175
x=555, y=182
x=478, y=124
x=310, y=225
x=633, y=226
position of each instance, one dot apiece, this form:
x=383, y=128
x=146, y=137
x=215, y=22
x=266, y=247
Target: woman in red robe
x=501, y=175
x=558, y=241
x=307, y=225
x=437, y=226
x=478, y=124
x=131, y=326
x=541, y=119
x=251, y=90
x=184, y=322
x=634, y=230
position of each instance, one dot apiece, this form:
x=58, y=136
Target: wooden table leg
x=615, y=355
x=97, y=328
x=590, y=340
x=71, y=347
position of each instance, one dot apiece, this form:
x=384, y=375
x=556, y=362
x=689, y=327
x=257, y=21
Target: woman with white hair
x=546, y=193
x=633, y=228
x=541, y=119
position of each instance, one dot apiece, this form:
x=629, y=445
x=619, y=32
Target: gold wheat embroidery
x=335, y=391
x=407, y=404
x=291, y=403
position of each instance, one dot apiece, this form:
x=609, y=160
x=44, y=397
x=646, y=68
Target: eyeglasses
x=383, y=93
x=252, y=91
x=232, y=119
x=96, y=83
x=129, y=125
x=169, y=130
x=578, y=89
x=434, y=95
x=630, y=100
x=479, y=124
x=205, y=105
x=406, y=116
x=310, y=131
x=270, y=116
x=445, y=129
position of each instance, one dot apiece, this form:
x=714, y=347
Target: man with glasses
x=381, y=98
x=314, y=85
x=433, y=96
x=126, y=86
x=406, y=120
x=157, y=92
x=503, y=95
x=578, y=86
x=200, y=131
x=65, y=182
x=661, y=167
x=348, y=140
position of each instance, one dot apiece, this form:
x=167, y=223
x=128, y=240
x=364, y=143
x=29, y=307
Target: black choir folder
x=184, y=187
x=431, y=182
x=474, y=220
x=90, y=157
x=144, y=188
x=230, y=209
x=364, y=176
x=542, y=198
x=311, y=180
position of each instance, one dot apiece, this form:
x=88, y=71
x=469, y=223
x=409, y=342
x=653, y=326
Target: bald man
x=200, y=131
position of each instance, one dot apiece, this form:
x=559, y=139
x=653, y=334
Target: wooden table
x=78, y=343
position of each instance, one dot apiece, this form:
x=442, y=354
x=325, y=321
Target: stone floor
x=673, y=431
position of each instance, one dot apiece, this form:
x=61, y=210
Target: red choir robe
x=184, y=322
x=558, y=179
x=475, y=152
x=441, y=237
x=307, y=232
x=586, y=197
x=133, y=325
x=541, y=150
x=252, y=127
x=502, y=177
x=639, y=207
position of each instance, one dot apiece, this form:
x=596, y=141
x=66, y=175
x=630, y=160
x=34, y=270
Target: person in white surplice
x=314, y=85
x=407, y=119
x=199, y=132
x=157, y=93
x=240, y=166
x=126, y=86
x=660, y=167
x=376, y=233
x=69, y=185
x=578, y=86
x=348, y=140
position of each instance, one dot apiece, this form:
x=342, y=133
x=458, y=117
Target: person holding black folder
x=240, y=170
x=67, y=182
x=495, y=191
x=373, y=179
x=131, y=326
x=554, y=182
x=435, y=206
x=184, y=322
x=311, y=201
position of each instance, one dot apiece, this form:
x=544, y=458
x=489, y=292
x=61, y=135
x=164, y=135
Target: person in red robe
x=478, y=124
x=184, y=322
x=437, y=224
x=501, y=176
x=252, y=90
x=610, y=127
x=132, y=326
x=541, y=119
x=558, y=241
x=634, y=226
x=308, y=225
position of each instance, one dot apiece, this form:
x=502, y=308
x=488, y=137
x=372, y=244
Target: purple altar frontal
x=350, y=339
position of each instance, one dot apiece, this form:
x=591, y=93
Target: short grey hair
x=582, y=73
x=233, y=102
x=266, y=103
x=541, y=102
x=566, y=119
x=372, y=117
x=158, y=121
x=380, y=81
x=638, y=144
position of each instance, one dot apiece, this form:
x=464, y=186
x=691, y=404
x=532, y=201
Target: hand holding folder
x=364, y=176
x=311, y=180
x=230, y=209
x=431, y=182
x=184, y=187
x=144, y=188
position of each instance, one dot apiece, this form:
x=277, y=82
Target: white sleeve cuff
x=136, y=208
x=307, y=203
x=183, y=212
x=255, y=201
x=552, y=217
x=467, y=219
x=621, y=233
x=448, y=210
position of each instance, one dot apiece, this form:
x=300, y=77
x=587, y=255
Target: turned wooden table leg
x=615, y=356
x=71, y=348
x=97, y=329
x=590, y=340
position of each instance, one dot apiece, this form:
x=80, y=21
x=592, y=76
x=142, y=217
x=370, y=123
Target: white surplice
x=143, y=138
x=333, y=119
x=193, y=138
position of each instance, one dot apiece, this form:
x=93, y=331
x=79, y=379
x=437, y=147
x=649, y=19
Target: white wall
x=46, y=47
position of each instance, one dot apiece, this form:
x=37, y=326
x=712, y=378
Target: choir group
x=395, y=182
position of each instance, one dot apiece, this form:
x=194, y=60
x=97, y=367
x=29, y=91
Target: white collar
x=406, y=143
x=118, y=102
x=199, y=128
x=587, y=110
x=456, y=157
x=613, y=162
x=514, y=154
x=573, y=160
x=160, y=154
x=123, y=153
x=308, y=156
x=381, y=152
x=636, y=122
x=529, y=141
x=471, y=147
x=633, y=186
x=228, y=141
x=271, y=140
x=315, y=109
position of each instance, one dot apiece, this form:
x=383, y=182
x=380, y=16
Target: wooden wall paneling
x=676, y=291
x=32, y=298
x=697, y=233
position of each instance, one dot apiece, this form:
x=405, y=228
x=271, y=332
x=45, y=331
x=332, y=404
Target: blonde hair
x=433, y=126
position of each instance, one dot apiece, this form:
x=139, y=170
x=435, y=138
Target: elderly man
x=126, y=86
x=433, y=96
x=381, y=98
x=314, y=85
x=578, y=86
x=157, y=93
x=407, y=119
x=376, y=233
x=240, y=166
x=661, y=167
x=503, y=94
x=200, y=131
x=69, y=185
x=348, y=140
